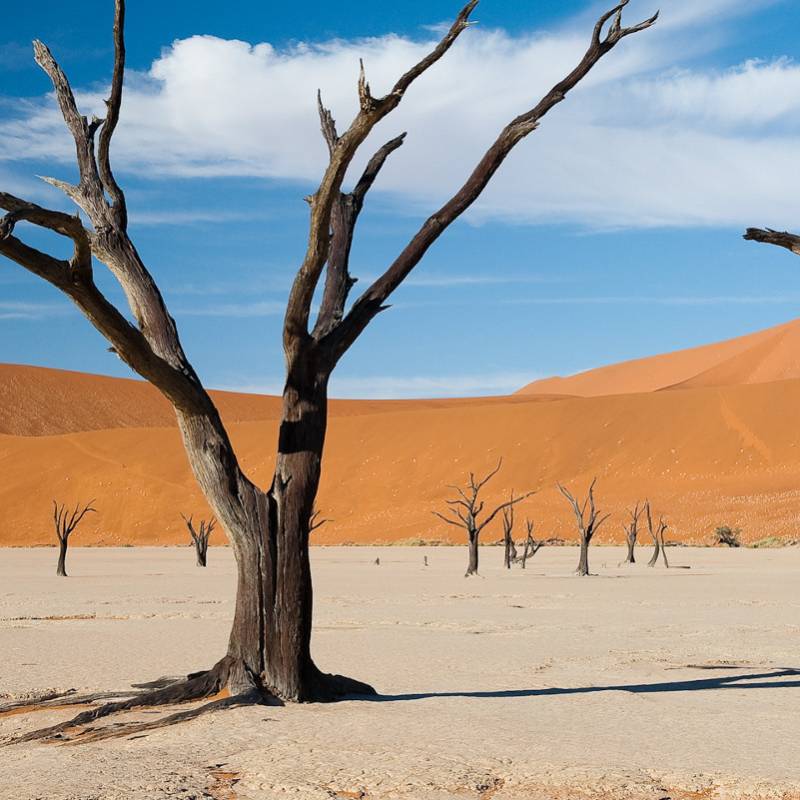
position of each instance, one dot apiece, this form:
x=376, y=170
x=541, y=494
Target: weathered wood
x=509, y=548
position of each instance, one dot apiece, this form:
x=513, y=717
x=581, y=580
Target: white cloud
x=638, y=144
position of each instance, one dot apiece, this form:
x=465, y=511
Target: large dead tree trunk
x=588, y=520
x=467, y=508
x=269, y=650
x=65, y=523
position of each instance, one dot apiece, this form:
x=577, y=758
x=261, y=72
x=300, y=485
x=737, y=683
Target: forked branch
x=373, y=300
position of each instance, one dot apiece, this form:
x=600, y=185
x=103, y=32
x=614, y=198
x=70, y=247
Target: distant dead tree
x=531, y=545
x=657, y=535
x=509, y=548
x=467, y=509
x=588, y=519
x=66, y=523
x=200, y=538
x=631, y=532
x=726, y=535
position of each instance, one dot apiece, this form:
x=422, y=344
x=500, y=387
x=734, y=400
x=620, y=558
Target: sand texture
x=704, y=455
x=636, y=683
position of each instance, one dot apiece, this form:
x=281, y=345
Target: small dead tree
x=531, y=545
x=657, y=535
x=200, y=538
x=631, y=532
x=588, y=519
x=66, y=523
x=726, y=535
x=467, y=509
x=509, y=548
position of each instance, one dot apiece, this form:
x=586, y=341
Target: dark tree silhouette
x=509, y=548
x=269, y=650
x=65, y=523
x=588, y=520
x=657, y=535
x=467, y=508
x=200, y=538
x=631, y=532
x=531, y=545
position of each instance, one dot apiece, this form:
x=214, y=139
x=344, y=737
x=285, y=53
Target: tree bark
x=583, y=561
x=656, y=551
x=61, y=569
x=631, y=559
x=472, y=567
x=202, y=553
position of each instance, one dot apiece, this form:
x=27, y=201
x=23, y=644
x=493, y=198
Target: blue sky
x=613, y=232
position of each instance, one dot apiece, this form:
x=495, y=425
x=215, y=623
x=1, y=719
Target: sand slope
x=768, y=355
x=704, y=455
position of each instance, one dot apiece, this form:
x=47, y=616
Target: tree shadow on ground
x=760, y=680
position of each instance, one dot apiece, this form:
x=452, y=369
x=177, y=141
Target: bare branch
x=373, y=300
x=112, y=117
x=507, y=504
x=372, y=110
x=785, y=239
x=344, y=216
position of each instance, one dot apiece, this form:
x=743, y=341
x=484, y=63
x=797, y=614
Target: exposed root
x=197, y=686
x=123, y=729
x=59, y=700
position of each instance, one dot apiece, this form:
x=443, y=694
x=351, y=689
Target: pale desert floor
x=636, y=683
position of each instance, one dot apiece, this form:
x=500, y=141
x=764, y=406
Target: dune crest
x=769, y=355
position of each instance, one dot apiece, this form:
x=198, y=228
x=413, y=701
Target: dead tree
x=657, y=535
x=269, y=650
x=200, y=538
x=531, y=545
x=467, y=508
x=631, y=532
x=509, y=548
x=588, y=519
x=65, y=523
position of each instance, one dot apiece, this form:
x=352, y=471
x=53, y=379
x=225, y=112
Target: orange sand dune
x=704, y=455
x=768, y=355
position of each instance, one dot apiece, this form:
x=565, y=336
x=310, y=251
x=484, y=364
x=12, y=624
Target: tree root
x=121, y=730
x=321, y=688
x=196, y=686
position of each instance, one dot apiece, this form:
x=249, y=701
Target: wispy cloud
x=638, y=145
x=193, y=217
x=18, y=310
x=262, y=308
x=391, y=387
